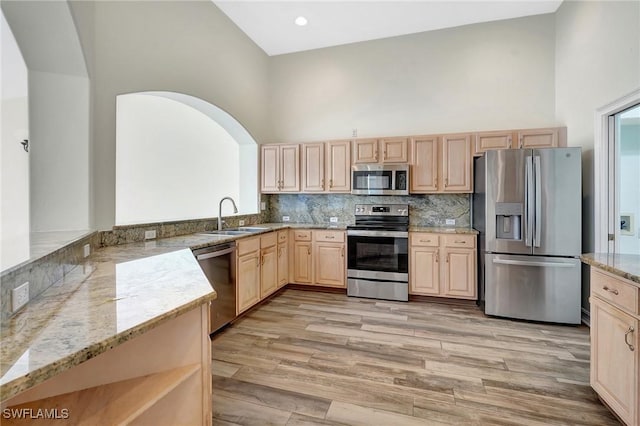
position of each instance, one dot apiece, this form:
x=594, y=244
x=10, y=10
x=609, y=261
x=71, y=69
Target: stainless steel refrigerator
x=527, y=208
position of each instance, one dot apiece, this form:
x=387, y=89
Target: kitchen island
x=122, y=338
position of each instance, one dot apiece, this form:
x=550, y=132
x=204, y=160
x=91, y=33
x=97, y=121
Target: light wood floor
x=307, y=358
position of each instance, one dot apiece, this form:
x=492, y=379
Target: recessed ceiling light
x=301, y=21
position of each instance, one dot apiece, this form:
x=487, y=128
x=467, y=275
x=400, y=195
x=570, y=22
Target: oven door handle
x=394, y=234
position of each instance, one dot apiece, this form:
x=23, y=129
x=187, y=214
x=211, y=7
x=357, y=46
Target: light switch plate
x=263, y=205
x=241, y=222
x=86, y=250
x=333, y=219
x=149, y=235
x=285, y=218
x=450, y=222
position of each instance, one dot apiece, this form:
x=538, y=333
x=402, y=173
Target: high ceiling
x=270, y=24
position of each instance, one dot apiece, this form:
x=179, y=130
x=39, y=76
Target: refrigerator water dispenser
x=509, y=221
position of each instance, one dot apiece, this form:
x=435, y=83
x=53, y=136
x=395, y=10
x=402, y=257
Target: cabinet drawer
x=425, y=240
x=283, y=236
x=467, y=241
x=268, y=240
x=247, y=245
x=615, y=290
x=329, y=236
x=302, y=235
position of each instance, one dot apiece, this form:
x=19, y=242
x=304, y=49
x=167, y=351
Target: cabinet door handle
x=425, y=241
x=322, y=183
x=342, y=252
x=330, y=183
x=309, y=250
x=611, y=290
x=521, y=142
x=446, y=182
x=460, y=242
x=330, y=237
x=629, y=331
x=435, y=182
x=447, y=257
x=510, y=141
x=437, y=257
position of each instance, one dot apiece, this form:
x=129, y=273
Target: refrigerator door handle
x=537, y=226
x=528, y=202
x=532, y=263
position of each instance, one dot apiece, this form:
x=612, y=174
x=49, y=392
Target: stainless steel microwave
x=380, y=179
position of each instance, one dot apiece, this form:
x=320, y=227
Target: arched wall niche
x=177, y=156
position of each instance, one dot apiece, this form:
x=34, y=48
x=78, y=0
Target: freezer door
x=533, y=288
x=558, y=202
x=505, y=201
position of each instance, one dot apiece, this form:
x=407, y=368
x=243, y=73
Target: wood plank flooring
x=308, y=358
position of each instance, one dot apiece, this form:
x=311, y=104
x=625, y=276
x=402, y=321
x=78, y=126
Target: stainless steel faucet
x=235, y=210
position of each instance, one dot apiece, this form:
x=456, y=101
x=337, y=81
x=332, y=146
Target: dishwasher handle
x=216, y=253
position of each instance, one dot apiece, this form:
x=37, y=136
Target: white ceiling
x=270, y=23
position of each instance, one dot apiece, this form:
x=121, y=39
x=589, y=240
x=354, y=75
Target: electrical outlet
x=450, y=222
x=150, y=235
x=241, y=222
x=285, y=218
x=354, y=133
x=20, y=296
x=263, y=205
x=86, y=250
x=333, y=219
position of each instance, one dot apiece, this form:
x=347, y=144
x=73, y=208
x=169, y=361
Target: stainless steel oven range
x=377, y=252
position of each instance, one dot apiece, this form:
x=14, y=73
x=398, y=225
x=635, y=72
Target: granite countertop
x=119, y=292
x=623, y=265
x=442, y=230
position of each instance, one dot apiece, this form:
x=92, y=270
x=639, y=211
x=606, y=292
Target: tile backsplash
x=424, y=210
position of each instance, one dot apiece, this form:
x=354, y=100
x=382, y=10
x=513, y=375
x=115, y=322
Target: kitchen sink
x=243, y=230
x=227, y=232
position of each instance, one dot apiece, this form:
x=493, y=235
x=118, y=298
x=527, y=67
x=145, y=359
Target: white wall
x=186, y=47
x=59, y=111
x=597, y=62
x=14, y=162
x=172, y=162
x=495, y=75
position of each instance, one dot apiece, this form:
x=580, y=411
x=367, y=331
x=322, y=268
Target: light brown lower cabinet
x=319, y=258
x=268, y=264
x=615, y=341
x=248, y=274
x=442, y=265
x=302, y=266
x=283, y=258
x=144, y=381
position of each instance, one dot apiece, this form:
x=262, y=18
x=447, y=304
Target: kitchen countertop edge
x=626, y=266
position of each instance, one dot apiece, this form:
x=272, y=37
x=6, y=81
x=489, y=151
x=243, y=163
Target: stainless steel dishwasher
x=219, y=265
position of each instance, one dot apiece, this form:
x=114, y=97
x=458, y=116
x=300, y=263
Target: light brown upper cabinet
x=493, y=140
x=385, y=150
x=524, y=138
x=441, y=163
x=338, y=166
x=326, y=166
x=280, y=168
x=313, y=167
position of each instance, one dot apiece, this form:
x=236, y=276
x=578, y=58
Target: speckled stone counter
x=118, y=293
x=623, y=265
x=442, y=230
